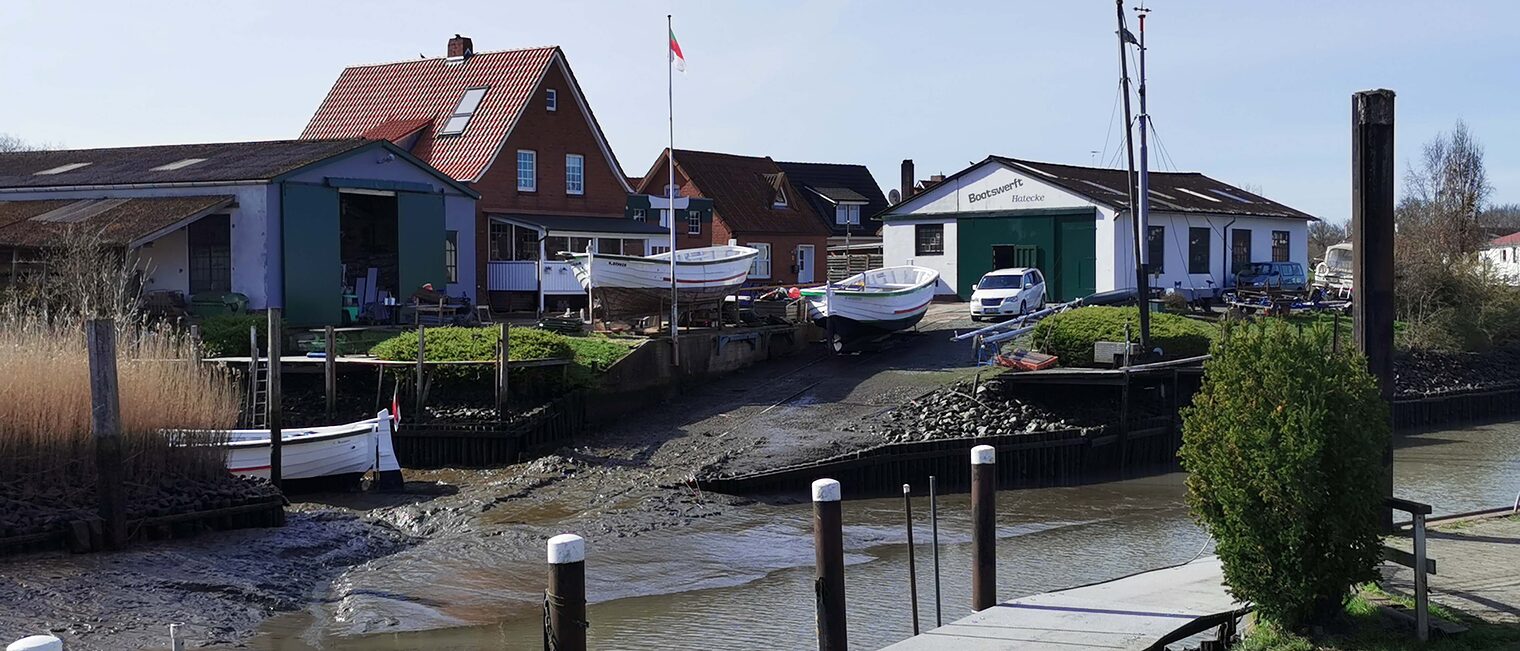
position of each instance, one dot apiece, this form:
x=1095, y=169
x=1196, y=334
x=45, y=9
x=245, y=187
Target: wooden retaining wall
x=1452, y=408
x=465, y=445
x=87, y=535
x=1058, y=458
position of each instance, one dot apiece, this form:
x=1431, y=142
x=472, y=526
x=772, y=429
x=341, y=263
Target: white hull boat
x=873, y=303
x=632, y=284
x=311, y=452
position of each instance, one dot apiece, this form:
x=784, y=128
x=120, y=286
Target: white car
x=1008, y=292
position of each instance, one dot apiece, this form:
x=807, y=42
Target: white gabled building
x=1073, y=223
x=1502, y=257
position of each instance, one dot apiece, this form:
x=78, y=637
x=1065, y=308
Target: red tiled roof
x=367, y=98
x=1508, y=240
x=397, y=130
x=742, y=191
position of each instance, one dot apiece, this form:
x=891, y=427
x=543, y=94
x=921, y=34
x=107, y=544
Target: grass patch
x=591, y=355
x=1364, y=629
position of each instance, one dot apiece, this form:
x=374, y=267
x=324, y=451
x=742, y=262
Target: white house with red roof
x=514, y=126
x=1502, y=256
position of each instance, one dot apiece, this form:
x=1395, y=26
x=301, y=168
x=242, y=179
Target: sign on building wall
x=993, y=187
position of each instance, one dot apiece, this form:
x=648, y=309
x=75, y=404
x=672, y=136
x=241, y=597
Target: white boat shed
x=1073, y=223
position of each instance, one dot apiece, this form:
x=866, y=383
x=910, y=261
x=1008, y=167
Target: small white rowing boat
x=873, y=303
x=309, y=452
x=627, y=283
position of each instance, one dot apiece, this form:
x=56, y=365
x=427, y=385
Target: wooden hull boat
x=311, y=452
x=632, y=284
x=872, y=303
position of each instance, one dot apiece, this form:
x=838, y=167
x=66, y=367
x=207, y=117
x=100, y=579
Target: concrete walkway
x=1477, y=568
x=1131, y=613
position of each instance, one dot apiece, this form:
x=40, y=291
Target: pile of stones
x=961, y=411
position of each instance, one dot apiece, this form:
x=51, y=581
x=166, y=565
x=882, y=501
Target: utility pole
x=1142, y=291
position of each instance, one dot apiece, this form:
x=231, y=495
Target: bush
x=226, y=335
x=474, y=344
x=1456, y=308
x=1070, y=335
x=1283, y=445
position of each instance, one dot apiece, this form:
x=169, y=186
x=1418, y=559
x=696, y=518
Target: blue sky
x=1252, y=93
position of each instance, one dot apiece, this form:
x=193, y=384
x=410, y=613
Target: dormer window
x=551, y=100
x=847, y=214
x=462, y=113
x=780, y=201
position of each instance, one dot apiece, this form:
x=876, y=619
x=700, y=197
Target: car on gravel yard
x=1008, y=292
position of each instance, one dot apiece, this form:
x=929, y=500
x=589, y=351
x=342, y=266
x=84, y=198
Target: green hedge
x=1070, y=335
x=226, y=335
x=591, y=355
x=456, y=344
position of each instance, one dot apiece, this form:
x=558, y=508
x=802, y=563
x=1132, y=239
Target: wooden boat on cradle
x=873, y=303
x=310, y=452
x=627, y=284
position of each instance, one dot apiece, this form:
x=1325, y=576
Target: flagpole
x=670, y=188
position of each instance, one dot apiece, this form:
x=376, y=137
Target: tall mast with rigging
x=1142, y=290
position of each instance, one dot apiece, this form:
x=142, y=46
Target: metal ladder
x=257, y=416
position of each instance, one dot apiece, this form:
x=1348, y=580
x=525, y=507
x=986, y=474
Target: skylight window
x=1100, y=186
x=462, y=113
x=1034, y=169
x=60, y=169
x=1163, y=195
x=178, y=165
x=1200, y=195
x=1231, y=195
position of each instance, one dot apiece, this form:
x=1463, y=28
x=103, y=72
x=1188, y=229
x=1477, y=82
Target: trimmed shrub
x=226, y=335
x=455, y=343
x=1070, y=335
x=1283, y=445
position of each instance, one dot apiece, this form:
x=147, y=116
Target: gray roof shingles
x=228, y=161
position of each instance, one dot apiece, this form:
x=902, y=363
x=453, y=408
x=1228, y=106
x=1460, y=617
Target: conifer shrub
x=1283, y=445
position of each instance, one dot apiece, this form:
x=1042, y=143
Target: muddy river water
x=742, y=579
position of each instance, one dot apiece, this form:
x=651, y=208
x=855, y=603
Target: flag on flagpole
x=676, y=58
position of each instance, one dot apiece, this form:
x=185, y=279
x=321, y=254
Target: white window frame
x=780, y=198
x=640, y=214
x=656, y=249
x=693, y=222
x=551, y=100
x=761, y=267
x=532, y=170
x=847, y=213
x=577, y=184
x=463, y=113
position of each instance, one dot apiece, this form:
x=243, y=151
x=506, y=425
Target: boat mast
x=1142, y=292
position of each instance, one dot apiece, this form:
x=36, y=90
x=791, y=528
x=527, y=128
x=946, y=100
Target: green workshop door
x=420, y=241
x=313, y=269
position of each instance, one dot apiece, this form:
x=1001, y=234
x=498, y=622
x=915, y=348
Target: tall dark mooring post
x=828, y=550
x=565, y=600
x=105, y=424
x=1372, y=178
x=272, y=405
x=983, y=527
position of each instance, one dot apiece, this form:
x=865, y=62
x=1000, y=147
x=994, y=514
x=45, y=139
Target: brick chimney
x=460, y=47
x=907, y=178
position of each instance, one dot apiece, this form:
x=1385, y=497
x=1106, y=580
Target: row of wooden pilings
x=565, y=621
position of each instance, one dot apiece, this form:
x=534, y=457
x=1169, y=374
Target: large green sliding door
x=1059, y=242
x=310, y=258
x=420, y=241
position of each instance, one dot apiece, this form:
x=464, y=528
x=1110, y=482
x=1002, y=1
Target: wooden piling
x=503, y=361
x=272, y=404
x=912, y=567
x=565, y=600
x=828, y=550
x=195, y=344
x=421, y=366
x=105, y=423
x=330, y=371
x=1372, y=185
x=934, y=539
x=983, y=528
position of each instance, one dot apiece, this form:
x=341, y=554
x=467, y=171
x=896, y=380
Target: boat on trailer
x=310, y=452
x=871, y=304
x=641, y=284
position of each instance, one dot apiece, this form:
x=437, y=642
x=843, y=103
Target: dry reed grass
x=167, y=402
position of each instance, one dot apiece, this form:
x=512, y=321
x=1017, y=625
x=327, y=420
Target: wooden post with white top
x=565, y=601
x=983, y=527
x=828, y=581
